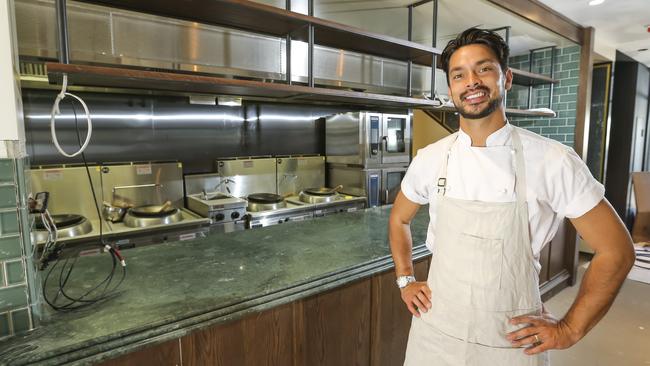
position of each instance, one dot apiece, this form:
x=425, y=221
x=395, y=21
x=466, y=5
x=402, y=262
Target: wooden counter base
x=363, y=323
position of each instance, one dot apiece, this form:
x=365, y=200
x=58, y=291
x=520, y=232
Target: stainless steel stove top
x=186, y=221
x=298, y=210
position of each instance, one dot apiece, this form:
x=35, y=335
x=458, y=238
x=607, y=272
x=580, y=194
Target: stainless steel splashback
x=168, y=128
x=249, y=175
x=111, y=36
x=197, y=183
x=297, y=173
x=69, y=189
x=143, y=184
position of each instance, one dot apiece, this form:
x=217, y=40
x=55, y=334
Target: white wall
x=11, y=108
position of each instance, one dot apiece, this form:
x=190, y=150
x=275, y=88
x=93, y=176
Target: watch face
x=403, y=281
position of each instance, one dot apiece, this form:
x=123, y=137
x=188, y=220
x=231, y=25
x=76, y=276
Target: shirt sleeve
x=414, y=184
x=574, y=191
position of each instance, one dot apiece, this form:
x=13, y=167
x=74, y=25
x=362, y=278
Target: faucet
x=204, y=194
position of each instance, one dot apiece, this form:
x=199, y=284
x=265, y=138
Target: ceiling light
x=203, y=99
x=596, y=2
x=229, y=100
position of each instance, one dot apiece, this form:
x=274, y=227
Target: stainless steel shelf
x=510, y=112
x=265, y=19
x=521, y=77
x=137, y=79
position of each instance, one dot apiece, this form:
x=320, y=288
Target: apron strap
x=518, y=161
x=520, y=166
x=441, y=184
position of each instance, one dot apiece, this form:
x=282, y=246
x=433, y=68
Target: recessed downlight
x=596, y=2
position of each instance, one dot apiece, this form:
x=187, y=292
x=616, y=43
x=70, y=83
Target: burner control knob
x=234, y=215
x=219, y=217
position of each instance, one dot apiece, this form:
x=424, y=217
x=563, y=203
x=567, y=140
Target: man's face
x=476, y=82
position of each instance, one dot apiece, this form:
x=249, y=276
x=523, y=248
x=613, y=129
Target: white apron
x=482, y=274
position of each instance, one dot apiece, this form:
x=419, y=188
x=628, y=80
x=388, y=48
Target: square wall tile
x=7, y=197
x=9, y=223
x=10, y=247
x=7, y=171
x=22, y=180
x=26, y=222
x=13, y=297
x=15, y=272
x=5, y=330
x=20, y=320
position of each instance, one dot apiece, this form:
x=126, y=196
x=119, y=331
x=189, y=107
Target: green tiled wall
x=15, y=313
x=566, y=70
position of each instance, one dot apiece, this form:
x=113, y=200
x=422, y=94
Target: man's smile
x=476, y=97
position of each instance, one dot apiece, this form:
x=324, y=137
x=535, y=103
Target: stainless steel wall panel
x=143, y=184
x=197, y=183
x=295, y=174
x=249, y=175
x=70, y=191
x=165, y=128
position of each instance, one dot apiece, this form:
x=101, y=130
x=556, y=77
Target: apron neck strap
x=518, y=161
x=520, y=166
x=442, y=177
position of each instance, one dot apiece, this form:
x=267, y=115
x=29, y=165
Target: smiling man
x=496, y=196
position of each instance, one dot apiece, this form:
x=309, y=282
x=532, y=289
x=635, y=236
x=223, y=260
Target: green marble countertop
x=175, y=288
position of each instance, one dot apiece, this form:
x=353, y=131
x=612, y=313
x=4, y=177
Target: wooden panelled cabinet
x=363, y=323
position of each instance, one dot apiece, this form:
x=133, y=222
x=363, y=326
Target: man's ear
x=508, y=77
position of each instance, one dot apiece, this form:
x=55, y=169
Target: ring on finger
x=537, y=340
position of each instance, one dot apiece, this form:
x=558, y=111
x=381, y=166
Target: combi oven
x=368, y=139
x=379, y=185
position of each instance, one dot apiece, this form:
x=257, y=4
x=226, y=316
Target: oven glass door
x=391, y=179
x=395, y=139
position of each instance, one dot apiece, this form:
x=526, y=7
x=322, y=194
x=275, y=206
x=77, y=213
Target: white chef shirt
x=559, y=183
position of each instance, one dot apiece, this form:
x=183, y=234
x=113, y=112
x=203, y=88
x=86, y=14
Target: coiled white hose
x=56, y=111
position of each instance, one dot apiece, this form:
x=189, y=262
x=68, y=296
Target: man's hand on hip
x=417, y=297
x=543, y=333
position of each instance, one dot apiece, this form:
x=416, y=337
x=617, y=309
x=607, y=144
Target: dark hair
x=476, y=36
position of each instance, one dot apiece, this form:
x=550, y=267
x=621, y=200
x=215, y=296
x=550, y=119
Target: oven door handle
x=384, y=143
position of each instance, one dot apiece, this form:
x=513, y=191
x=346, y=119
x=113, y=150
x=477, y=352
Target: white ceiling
x=619, y=24
x=390, y=17
x=454, y=16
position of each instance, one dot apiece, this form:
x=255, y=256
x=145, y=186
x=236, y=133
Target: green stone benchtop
x=176, y=288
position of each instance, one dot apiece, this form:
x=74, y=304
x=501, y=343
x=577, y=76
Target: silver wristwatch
x=403, y=281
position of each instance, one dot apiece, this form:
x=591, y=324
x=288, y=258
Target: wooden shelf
x=117, y=77
x=265, y=19
x=521, y=77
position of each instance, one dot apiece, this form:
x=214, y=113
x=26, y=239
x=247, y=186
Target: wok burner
x=140, y=217
x=264, y=202
x=319, y=195
x=67, y=226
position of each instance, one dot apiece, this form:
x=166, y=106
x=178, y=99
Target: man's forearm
x=401, y=246
x=598, y=289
